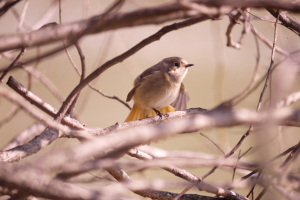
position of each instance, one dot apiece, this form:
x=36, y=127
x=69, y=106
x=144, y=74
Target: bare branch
x=213, y=143
x=286, y=21
x=14, y=110
x=25, y=136
x=94, y=25
x=268, y=43
x=110, y=97
x=29, y=180
x=32, y=98
x=22, y=17
x=12, y=64
x=233, y=21
x=31, y=110
x=46, y=81
x=288, y=100
x=270, y=67
x=7, y=6
x=83, y=70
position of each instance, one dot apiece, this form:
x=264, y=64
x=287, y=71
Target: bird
x=159, y=89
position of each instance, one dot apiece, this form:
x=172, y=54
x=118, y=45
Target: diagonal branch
x=38, y=102
x=12, y=64
x=286, y=21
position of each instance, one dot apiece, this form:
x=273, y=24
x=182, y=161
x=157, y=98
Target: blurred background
x=219, y=73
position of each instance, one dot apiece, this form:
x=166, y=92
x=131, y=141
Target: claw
x=160, y=114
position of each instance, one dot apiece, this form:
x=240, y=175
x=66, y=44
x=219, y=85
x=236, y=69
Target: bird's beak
x=189, y=65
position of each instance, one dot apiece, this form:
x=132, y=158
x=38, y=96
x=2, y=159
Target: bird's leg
x=160, y=114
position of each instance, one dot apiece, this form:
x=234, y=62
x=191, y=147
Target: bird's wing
x=141, y=78
x=131, y=93
x=180, y=103
x=147, y=72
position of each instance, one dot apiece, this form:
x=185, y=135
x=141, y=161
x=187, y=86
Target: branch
x=94, y=25
x=268, y=43
x=270, y=67
x=12, y=64
x=32, y=111
x=25, y=135
x=233, y=21
x=83, y=72
x=288, y=100
x=8, y=4
x=28, y=179
x=90, y=85
x=35, y=100
x=14, y=110
x=156, y=15
x=46, y=81
x=286, y=21
x=110, y=97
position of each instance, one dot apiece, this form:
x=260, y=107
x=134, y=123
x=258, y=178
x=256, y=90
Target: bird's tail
x=138, y=112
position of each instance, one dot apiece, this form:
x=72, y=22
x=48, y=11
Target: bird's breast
x=156, y=91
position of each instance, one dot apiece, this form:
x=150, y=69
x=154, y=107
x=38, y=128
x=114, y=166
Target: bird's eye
x=176, y=64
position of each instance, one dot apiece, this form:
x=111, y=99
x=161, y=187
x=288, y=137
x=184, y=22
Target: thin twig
x=272, y=160
x=83, y=70
x=90, y=85
x=82, y=60
x=289, y=161
x=233, y=21
x=260, y=18
x=46, y=81
x=110, y=97
x=245, y=152
x=213, y=143
x=246, y=27
x=234, y=169
x=253, y=187
x=271, y=64
x=14, y=110
x=262, y=193
x=22, y=17
x=12, y=64
x=268, y=43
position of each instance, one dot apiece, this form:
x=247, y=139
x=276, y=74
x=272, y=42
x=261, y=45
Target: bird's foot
x=160, y=114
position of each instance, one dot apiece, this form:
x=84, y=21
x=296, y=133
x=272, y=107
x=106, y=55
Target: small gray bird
x=159, y=88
